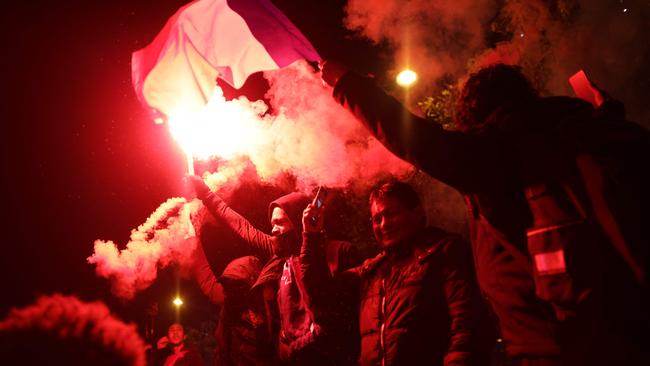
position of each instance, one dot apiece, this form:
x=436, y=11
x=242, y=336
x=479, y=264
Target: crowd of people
x=556, y=264
x=555, y=268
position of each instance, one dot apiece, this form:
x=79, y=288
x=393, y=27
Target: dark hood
x=244, y=269
x=293, y=204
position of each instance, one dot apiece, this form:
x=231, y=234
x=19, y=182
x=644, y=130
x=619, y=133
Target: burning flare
x=309, y=136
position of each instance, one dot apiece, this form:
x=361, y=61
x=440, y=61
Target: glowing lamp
x=406, y=78
x=178, y=302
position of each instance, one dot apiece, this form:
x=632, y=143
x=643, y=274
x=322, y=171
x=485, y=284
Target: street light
x=406, y=78
x=178, y=302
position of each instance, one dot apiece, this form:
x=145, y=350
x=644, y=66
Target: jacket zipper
x=383, y=322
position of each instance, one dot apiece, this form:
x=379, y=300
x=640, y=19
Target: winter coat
x=418, y=302
x=299, y=338
x=485, y=166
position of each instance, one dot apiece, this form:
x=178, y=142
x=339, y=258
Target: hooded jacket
x=241, y=334
x=288, y=311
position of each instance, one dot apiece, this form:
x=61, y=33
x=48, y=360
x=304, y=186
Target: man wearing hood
x=301, y=337
x=241, y=335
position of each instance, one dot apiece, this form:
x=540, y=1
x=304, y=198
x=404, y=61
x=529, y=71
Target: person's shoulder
x=438, y=242
x=193, y=353
x=370, y=264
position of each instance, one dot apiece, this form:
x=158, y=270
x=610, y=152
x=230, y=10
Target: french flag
x=206, y=39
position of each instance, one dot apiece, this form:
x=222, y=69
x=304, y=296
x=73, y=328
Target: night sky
x=81, y=160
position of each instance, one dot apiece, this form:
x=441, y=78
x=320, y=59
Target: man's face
x=176, y=334
x=280, y=222
x=392, y=222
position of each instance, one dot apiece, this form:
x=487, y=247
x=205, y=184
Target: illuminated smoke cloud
x=60, y=323
x=309, y=136
x=551, y=40
x=316, y=139
x=158, y=242
x=165, y=238
x=432, y=37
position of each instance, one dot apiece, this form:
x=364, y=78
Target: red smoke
x=551, y=40
x=309, y=136
x=163, y=239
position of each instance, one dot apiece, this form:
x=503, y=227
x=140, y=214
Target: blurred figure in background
x=172, y=350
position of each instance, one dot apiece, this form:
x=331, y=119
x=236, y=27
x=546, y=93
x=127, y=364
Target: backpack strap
x=593, y=181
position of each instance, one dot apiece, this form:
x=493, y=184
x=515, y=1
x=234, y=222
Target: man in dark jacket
x=501, y=119
x=290, y=317
x=419, y=302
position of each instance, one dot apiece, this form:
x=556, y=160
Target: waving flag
x=208, y=38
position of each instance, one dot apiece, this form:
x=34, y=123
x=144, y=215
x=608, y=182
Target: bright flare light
x=223, y=128
x=178, y=302
x=406, y=78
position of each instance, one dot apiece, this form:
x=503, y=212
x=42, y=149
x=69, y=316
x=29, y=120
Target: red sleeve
x=259, y=242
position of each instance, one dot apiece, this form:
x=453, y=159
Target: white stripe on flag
x=205, y=39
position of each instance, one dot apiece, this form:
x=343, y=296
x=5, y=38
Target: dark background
x=81, y=160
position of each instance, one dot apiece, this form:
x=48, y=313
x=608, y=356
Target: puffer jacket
x=418, y=303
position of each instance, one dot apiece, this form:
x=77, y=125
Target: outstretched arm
x=260, y=243
x=320, y=282
x=205, y=278
x=464, y=161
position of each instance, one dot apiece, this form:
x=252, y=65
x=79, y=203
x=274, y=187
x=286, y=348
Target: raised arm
x=260, y=243
x=321, y=283
x=461, y=160
x=205, y=278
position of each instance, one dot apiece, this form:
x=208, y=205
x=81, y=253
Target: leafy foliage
x=440, y=107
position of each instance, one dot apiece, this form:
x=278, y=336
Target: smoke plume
x=316, y=139
x=308, y=136
x=161, y=240
x=551, y=40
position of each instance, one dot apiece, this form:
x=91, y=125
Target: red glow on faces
x=392, y=222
